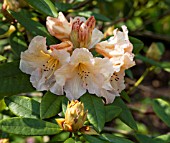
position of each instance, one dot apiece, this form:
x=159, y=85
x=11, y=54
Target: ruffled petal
x=61, y=75
x=59, y=27
x=81, y=55
x=39, y=81
x=97, y=35
x=108, y=95
x=117, y=81
x=66, y=45
x=62, y=55
x=35, y=56
x=74, y=87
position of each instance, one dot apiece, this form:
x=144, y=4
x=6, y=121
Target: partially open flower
x=59, y=27
x=81, y=32
x=75, y=117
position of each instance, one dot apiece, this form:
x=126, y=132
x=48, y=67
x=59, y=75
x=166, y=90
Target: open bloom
x=41, y=63
x=119, y=49
x=81, y=32
x=84, y=72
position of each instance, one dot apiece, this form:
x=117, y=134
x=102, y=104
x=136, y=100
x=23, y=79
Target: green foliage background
x=141, y=114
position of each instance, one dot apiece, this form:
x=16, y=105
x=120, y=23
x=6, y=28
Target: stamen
x=50, y=67
x=83, y=73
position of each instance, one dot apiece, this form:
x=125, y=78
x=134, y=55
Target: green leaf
x=70, y=140
x=4, y=26
x=150, y=61
x=115, y=139
x=166, y=66
x=96, y=15
x=125, y=96
x=145, y=139
x=93, y=139
x=29, y=127
x=2, y=58
x=63, y=6
x=45, y=7
x=13, y=81
x=32, y=26
x=137, y=44
x=162, y=110
x=64, y=104
x=111, y=112
x=96, y=110
x=50, y=105
x=2, y=105
x=125, y=116
x=17, y=43
x=23, y=106
x=61, y=137
x=163, y=138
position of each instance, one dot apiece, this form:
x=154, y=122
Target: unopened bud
x=74, y=118
x=82, y=32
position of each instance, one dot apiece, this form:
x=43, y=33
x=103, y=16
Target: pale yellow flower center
x=83, y=73
x=50, y=66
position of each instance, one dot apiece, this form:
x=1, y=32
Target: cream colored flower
x=84, y=72
x=41, y=63
x=81, y=32
x=112, y=87
x=119, y=49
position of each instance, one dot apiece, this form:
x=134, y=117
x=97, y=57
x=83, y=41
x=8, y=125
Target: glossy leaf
x=50, y=105
x=163, y=138
x=152, y=62
x=125, y=96
x=115, y=139
x=45, y=7
x=23, y=106
x=96, y=110
x=111, y=112
x=63, y=6
x=137, y=44
x=32, y=26
x=64, y=104
x=70, y=140
x=13, y=81
x=4, y=26
x=125, y=116
x=28, y=126
x=17, y=43
x=2, y=58
x=162, y=110
x=94, y=139
x=96, y=15
x=145, y=139
x=61, y=137
x=2, y=105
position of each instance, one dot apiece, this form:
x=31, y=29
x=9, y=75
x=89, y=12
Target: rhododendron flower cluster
x=70, y=68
